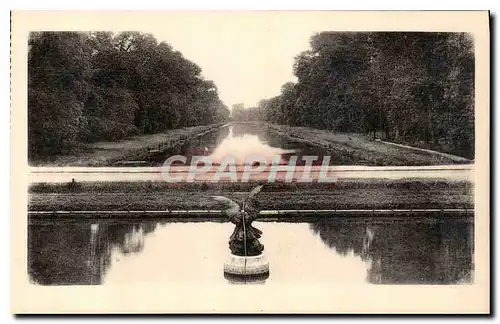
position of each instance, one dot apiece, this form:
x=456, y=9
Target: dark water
x=241, y=141
x=324, y=251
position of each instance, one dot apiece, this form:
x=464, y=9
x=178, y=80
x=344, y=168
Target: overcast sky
x=248, y=56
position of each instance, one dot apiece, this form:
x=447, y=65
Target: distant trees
x=85, y=87
x=240, y=113
x=413, y=87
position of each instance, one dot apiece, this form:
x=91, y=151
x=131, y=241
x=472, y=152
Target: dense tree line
x=240, y=113
x=411, y=87
x=85, y=87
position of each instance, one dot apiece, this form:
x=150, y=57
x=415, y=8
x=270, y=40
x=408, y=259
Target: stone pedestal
x=245, y=280
x=247, y=269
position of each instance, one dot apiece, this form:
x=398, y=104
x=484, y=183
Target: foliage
x=240, y=113
x=85, y=87
x=413, y=87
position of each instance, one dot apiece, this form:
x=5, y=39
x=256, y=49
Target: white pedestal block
x=246, y=266
x=245, y=280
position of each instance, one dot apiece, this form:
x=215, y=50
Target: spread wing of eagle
x=233, y=209
x=249, y=203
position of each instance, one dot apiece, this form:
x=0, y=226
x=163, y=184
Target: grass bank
x=360, y=149
x=104, y=153
x=346, y=194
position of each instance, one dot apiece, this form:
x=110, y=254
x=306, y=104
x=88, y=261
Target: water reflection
x=200, y=146
x=405, y=252
x=240, y=141
x=79, y=253
x=244, y=145
x=327, y=250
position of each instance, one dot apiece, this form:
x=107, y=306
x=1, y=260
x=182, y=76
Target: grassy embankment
x=346, y=149
x=349, y=194
x=360, y=149
x=105, y=153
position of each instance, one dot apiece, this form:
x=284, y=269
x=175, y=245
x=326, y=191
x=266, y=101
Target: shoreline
x=356, y=146
x=179, y=216
x=104, y=153
x=347, y=148
x=353, y=194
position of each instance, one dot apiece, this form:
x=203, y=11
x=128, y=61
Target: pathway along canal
x=240, y=141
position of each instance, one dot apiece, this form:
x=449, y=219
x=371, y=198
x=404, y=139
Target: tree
x=94, y=86
x=412, y=87
x=58, y=70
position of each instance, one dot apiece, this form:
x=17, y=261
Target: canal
x=324, y=250
x=240, y=141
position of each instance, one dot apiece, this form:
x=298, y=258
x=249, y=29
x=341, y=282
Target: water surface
x=323, y=251
x=241, y=141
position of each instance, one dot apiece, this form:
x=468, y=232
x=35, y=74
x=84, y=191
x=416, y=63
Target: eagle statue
x=244, y=240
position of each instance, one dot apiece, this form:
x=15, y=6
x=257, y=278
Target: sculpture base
x=251, y=267
x=247, y=280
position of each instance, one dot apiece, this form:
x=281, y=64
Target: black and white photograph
x=251, y=151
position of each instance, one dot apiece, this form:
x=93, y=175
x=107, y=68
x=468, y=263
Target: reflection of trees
x=263, y=134
x=399, y=252
x=221, y=134
x=59, y=254
x=206, y=144
x=129, y=237
x=240, y=129
x=273, y=140
x=212, y=139
x=342, y=236
x=301, y=149
x=80, y=253
x=201, y=145
x=405, y=252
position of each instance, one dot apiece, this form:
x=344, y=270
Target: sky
x=249, y=57
x=248, y=54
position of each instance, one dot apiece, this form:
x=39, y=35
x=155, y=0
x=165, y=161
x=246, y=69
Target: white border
x=186, y=4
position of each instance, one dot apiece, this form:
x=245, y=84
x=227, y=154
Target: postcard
x=326, y=162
